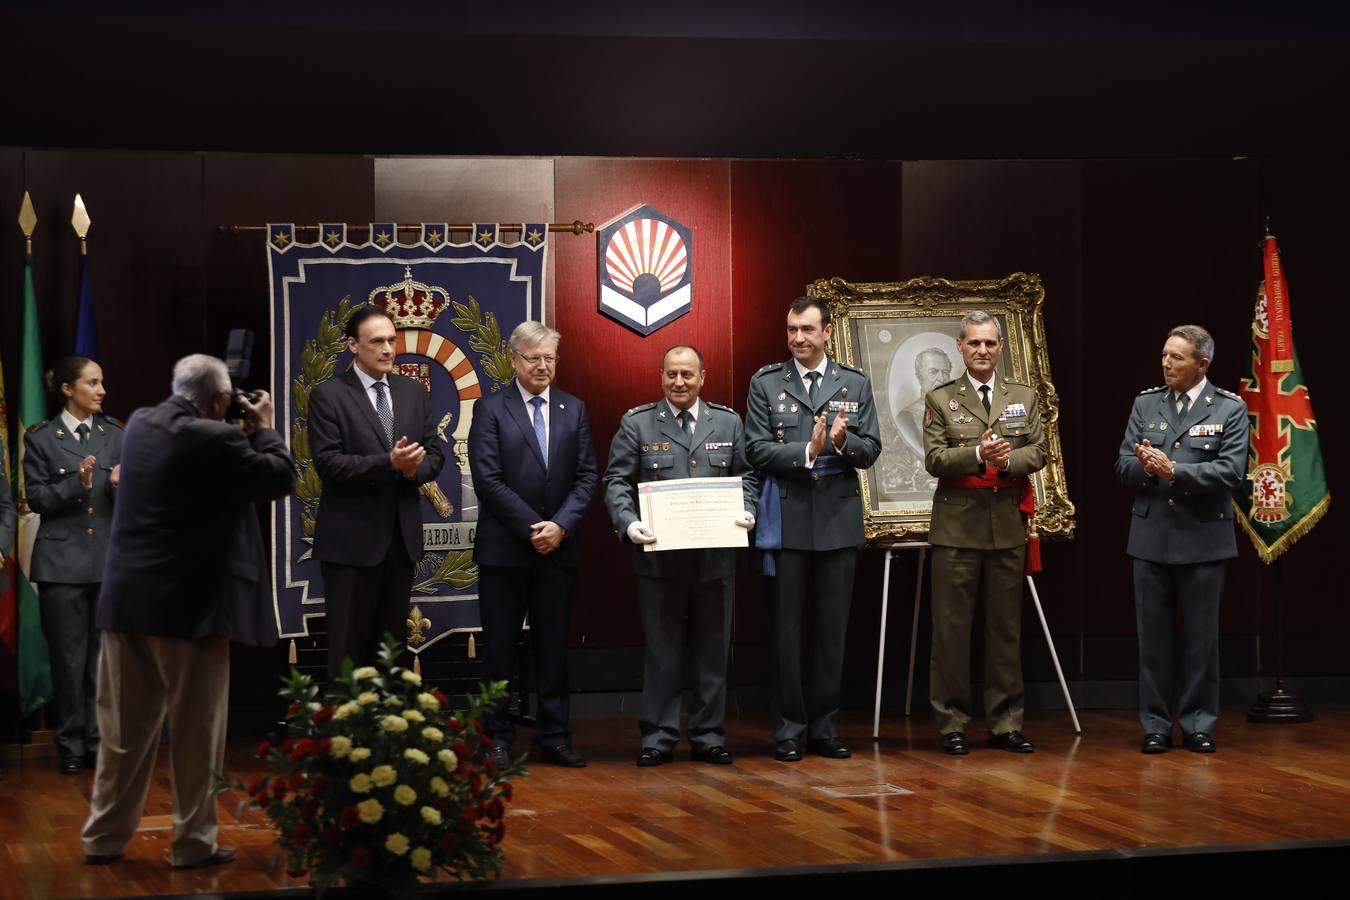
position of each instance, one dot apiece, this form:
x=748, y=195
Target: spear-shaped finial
x=27, y=222
x=80, y=221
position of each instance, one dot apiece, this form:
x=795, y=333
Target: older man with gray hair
x=186, y=573
x=534, y=470
x=1184, y=453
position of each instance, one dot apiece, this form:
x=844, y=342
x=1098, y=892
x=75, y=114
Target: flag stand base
x=1279, y=706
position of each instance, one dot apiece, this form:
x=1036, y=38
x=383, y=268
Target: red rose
x=322, y=748
x=490, y=838
x=360, y=857
x=331, y=837
x=279, y=788
x=309, y=808
x=473, y=725
x=450, y=842
x=303, y=749
x=454, y=725
x=461, y=749
x=507, y=791
x=263, y=747
x=323, y=715
x=467, y=815
x=476, y=784
x=444, y=700
x=287, y=744
x=440, y=804
x=300, y=834
x=498, y=808
x=490, y=768
x=292, y=709
x=297, y=781
x=319, y=785
x=350, y=818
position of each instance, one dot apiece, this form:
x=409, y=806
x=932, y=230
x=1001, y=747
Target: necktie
x=82, y=434
x=384, y=414
x=1183, y=404
x=811, y=389
x=684, y=419
x=540, y=434
x=984, y=398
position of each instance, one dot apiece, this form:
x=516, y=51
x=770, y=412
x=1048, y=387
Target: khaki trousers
x=142, y=681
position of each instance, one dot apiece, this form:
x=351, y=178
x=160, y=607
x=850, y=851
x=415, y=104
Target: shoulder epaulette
x=643, y=408
x=33, y=428
x=1016, y=382
x=853, y=368
x=1228, y=394
x=771, y=367
x=946, y=384
x=721, y=407
x=1153, y=390
x=115, y=421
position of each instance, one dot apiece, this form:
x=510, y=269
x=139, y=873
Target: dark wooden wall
x=1126, y=249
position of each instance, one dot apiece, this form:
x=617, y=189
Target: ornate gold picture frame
x=903, y=335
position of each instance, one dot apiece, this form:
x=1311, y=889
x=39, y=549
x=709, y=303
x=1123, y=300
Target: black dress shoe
x=500, y=756
x=91, y=760
x=788, y=751
x=830, y=748
x=654, y=756
x=1013, y=742
x=71, y=765
x=1155, y=742
x=718, y=756
x=222, y=855
x=101, y=859
x=954, y=744
x=1200, y=742
x=562, y=755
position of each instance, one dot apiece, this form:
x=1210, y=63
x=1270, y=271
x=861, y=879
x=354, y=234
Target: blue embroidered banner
x=453, y=306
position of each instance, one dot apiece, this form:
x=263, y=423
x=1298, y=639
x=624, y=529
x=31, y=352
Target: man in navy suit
x=368, y=532
x=534, y=470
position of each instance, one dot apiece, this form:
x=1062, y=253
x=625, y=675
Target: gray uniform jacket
x=72, y=538
x=1189, y=520
x=821, y=511
x=650, y=446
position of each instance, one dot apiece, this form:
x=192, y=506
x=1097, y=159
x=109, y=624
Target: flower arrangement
x=381, y=782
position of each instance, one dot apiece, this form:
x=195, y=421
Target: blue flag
x=86, y=330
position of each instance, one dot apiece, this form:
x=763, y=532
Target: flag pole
x=1279, y=705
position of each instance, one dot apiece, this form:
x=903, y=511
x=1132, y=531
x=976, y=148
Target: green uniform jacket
x=954, y=419
x=820, y=512
x=651, y=447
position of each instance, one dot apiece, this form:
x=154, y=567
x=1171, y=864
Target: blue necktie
x=539, y=433
x=384, y=414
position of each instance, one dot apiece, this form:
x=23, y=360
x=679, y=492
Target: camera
x=238, y=361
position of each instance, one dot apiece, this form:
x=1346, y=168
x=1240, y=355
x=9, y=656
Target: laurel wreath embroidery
x=485, y=338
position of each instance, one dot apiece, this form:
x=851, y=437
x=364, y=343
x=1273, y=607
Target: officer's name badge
x=716, y=445
x=1207, y=429
x=1012, y=411
x=848, y=406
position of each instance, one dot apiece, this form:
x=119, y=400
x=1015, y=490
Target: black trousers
x=363, y=603
x=506, y=594
x=1159, y=591
x=72, y=642
x=798, y=709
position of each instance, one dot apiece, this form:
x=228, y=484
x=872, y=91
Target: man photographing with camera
x=186, y=573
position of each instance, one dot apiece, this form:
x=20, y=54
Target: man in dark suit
x=186, y=572
x=534, y=470
x=1184, y=453
x=368, y=531
x=811, y=423
x=982, y=440
x=680, y=591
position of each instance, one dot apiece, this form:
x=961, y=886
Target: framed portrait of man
x=904, y=336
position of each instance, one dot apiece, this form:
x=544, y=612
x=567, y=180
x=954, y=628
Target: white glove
x=747, y=520
x=640, y=534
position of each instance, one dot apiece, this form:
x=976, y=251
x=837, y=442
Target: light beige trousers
x=142, y=679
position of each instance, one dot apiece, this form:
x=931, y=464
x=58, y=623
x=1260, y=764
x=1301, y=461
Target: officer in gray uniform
x=811, y=423
x=1184, y=453
x=680, y=591
x=71, y=469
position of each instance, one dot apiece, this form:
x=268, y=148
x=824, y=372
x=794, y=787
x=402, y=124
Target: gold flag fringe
x=1269, y=553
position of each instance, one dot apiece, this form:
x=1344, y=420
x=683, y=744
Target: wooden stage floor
x=1076, y=793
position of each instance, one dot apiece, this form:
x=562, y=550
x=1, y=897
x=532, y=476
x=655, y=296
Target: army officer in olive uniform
x=811, y=423
x=71, y=466
x=982, y=439
x=680, y=591
x=1184, y=453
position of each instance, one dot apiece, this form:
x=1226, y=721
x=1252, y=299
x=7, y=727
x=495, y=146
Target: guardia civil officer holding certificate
x=680, y=592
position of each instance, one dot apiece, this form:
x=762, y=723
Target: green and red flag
x=1287, y=489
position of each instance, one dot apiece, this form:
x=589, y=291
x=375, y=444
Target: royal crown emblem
x=411, y=304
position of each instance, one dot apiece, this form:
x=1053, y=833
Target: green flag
x=35, y=674
x=1288, y=491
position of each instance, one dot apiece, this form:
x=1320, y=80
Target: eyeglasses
x=537, y=359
